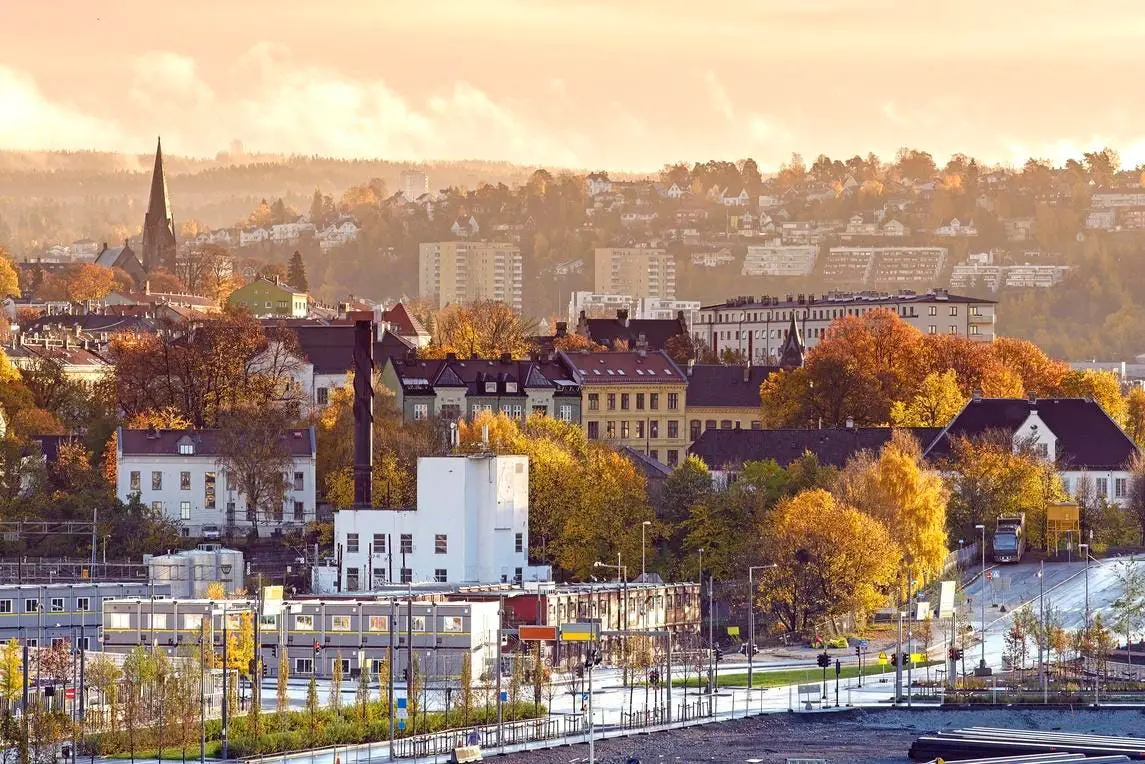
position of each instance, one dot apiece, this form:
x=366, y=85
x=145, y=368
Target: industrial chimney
x=363, y=412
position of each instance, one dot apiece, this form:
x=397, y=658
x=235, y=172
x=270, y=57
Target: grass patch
x=214, y=750
x=793, y=676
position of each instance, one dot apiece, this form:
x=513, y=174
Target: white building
x=965, y=275
x=1030, y=276
x=190, y=572
x=597, y=305
x=182, y=474
x=460, y=272
x=597, y=183
x=955, y=227
x=1101, y=218
x=414, y=183
x=284, y=232
x=780, y=259
x=639, y=271
x=471, y=525
x=250, y=236
x=713, y=258
x=1118, y=198
x=666, y=310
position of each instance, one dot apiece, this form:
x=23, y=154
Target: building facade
x=460, y=272
x=47, y=614
x=266, y=298
x=182, y=474
x=758, y=326
x=638, y=271
x=632, y=398
x=414, y=183
x=883, y=266
x=780, y=259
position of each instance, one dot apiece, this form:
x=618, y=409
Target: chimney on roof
x=451, y=356
x=747, y=372
x=506, y=358
x=691, y=366
x=562, y=329
x=622, y=316
x=1033, y=398
x=850, y=423
x=977, y=394
x=277, y=280
x=147, y=287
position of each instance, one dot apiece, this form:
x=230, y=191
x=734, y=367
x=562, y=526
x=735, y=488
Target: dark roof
x=331, y=348
x=1086, y=437
x=619, y=367
x=92, y=323
x=652, y=468
x=655, y=332
x=713, y=384
x=833, y=446
x=50, y=445
x=421, y=376
x=849, y=298
x=300, y=442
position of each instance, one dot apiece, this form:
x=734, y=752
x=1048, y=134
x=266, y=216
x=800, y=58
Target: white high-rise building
x=638, y=271
x=414, y=183
x=460, y=272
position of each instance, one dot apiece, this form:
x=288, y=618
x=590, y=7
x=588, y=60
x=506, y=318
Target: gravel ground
x=849, y=737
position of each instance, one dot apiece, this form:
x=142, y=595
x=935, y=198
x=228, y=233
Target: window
x=345, y=665
x=954, y=310
x=420, y=411
x=673, y=401
x=932, y=329
x=640, y=429
x=418, y=623
x=932, y=310
x=612, y=401
x=378, y=623
x=725, y=424
x=452, y=624
x=953, y=329
x=184, y=481
x=83, y=643
x=519, y=543
x=157, y=621
x=541, y=410
x=407, y=576
x=640, y=401
x=31, y=605
x=57, y=605
x=379, y=543
x=518, y=575
x=5, y=606
x=406, y=543
x=694, y=429
x=564, y=412
x=624, y=429
x=440, y=576
x=184, y=510
x=340, y=622
x=491, y=387
x=83, y=604
x=1103, y=487
x=352, y=543
x=187, y=449
x=756, y=424
x=655, y=454
x=118, y=621
x=624, y=401
x=673, y=428
x=303, y=665
x=1065, y=485
x=654, y=428
x=610, y=429
x=303, y=622
x=299, y=481
x=379, y=576
x=653, y=401
x=1042, y=450
x=450, y=411
x=208, y=490
x=673, y=457
x=440, y=544
x=1119, y=485
x=299, y=511
x=135, y=482
x=156, y=481
x=974, y=329
x=322, y=395
x=593, y=430
x=594, y=401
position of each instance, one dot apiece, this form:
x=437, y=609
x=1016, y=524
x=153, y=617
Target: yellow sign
x=883, y=659
x=272, y=592
x=918, y=657
x=733, y=631
x=576, y=636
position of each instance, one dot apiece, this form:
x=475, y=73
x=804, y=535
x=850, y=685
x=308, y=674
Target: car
x=210, y=531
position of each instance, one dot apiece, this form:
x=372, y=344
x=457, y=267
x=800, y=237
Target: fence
x=511, y=733
x=959, y=559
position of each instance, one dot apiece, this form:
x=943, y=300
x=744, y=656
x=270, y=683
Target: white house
x=471, y=525
x=182, y=474
x=738, y=198
x=253, y=236
x=955, y=227
x=290, y=231
x=597, y=183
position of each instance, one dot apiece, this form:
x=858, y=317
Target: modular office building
x=46, y=614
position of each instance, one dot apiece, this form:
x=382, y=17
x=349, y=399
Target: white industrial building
x=599, y=305
x=191, y=571
x=182, y=474
x=471, y=525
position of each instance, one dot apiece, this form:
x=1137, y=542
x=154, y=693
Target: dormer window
x=186, y=448
x=491, y=387
x=510, y=387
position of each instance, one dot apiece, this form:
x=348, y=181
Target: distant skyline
x=626, y=85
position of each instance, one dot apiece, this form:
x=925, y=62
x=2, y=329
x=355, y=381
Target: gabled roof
x=1087, y=439
x=299, y=442
x=422, y=375
x=93, y=323
x=656, y=331
x=833, y=446
x=331, y=348
x=406, y=323
x=653, y=469
x=622, y=367
x=713, y=384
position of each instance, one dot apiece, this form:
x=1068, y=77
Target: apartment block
x=638, y=271
x=780, y=260
x=459, y=272
x=889, y=266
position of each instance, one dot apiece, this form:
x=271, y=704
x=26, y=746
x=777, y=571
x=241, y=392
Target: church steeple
x=791, y=351
x=158, y=250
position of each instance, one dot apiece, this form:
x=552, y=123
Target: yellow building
x=724, y=397
x=633, y=398
x=636, y=271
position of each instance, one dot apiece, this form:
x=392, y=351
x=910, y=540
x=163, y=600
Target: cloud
x=719, y=96
x=33, y=121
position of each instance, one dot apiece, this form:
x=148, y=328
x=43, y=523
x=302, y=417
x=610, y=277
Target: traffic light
x=895, y=658
x=719, y=654
x=838, y=667
x=317, y=648
x=823, y=659
x=858, y=651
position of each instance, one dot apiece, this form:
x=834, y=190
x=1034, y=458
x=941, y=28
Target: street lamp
x=643, y=526
x=982, y=596
x=751, y=620
x=700, y=577
x=621, y=577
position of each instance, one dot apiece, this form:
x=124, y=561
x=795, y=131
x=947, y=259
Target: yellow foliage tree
x=937, y=401
x=167, y=418
x=831, y=560
x=8, y=372
x=485, y=329
x=1135, y=415
x=1103, y=386
x=11, y=672
x=9, y=278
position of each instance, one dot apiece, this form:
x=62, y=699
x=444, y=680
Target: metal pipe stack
x=966, y=744
x=1043, y=758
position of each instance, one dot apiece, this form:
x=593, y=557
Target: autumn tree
x=570, y=343
x=681, y=348
x=1039, y=373
x=831, y=561
x=485, y=329
x=11, y=673
x=78, y=283
x=9, y=278
x=1135, y=415
x=207, y=270
x=937, y=401
x=254, y=447
x=1102, y=386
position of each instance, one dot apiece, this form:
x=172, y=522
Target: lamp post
x=621, y=578
x=982, y=597
x=643, y=527
x=700, y=576
x=751, y=620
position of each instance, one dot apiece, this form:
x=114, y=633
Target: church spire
x=158, y=250
x=158, y=200
x=791, y=351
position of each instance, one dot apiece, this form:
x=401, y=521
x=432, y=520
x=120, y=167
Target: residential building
x=1131, y=218
x=757, y=325
x=43, y=615
x=460, y=272
x=471, y=526
x=413, y=184
x=955, y=227
x=183, y=475
x=1019, y=229
x=1026, y=276
x=724, y=397
x=777, y=259
x=313, y=634
x=624, y=333
x=1101, y=218
x=265, y=297
x=291, y=232
x=158, y=249
x=599, y=305
x=966, y=275
x=892, y=266
x=597, y=183
x=633, y=398
x=713, y=258
x=75, y=362
x=1089, y=449
x=337, y=234
x=638, y=271
x=328, y=355
x=652, y=309
x=1118, y=197
x=452, y=388
x=249, y=236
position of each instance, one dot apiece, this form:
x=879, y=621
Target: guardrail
x=509, y=733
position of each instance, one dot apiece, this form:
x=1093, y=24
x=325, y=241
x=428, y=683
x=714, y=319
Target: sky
x=587, y=84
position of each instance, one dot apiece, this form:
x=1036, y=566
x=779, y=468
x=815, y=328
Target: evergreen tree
x=296, y=273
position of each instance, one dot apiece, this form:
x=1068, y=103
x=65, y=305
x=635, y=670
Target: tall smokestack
x=363, y=412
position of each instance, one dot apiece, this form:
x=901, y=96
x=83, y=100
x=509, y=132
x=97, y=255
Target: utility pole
x=226, y=698
x=982, y=598
x=711, y=638
x=898, y=663
x=500, y=709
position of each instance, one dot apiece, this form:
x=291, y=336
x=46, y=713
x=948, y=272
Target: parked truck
x=1010, y=538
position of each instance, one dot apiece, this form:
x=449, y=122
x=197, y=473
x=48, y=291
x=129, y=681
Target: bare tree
x=254, y=449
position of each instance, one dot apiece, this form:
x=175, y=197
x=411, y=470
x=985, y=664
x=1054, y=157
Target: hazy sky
x=621, y=84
